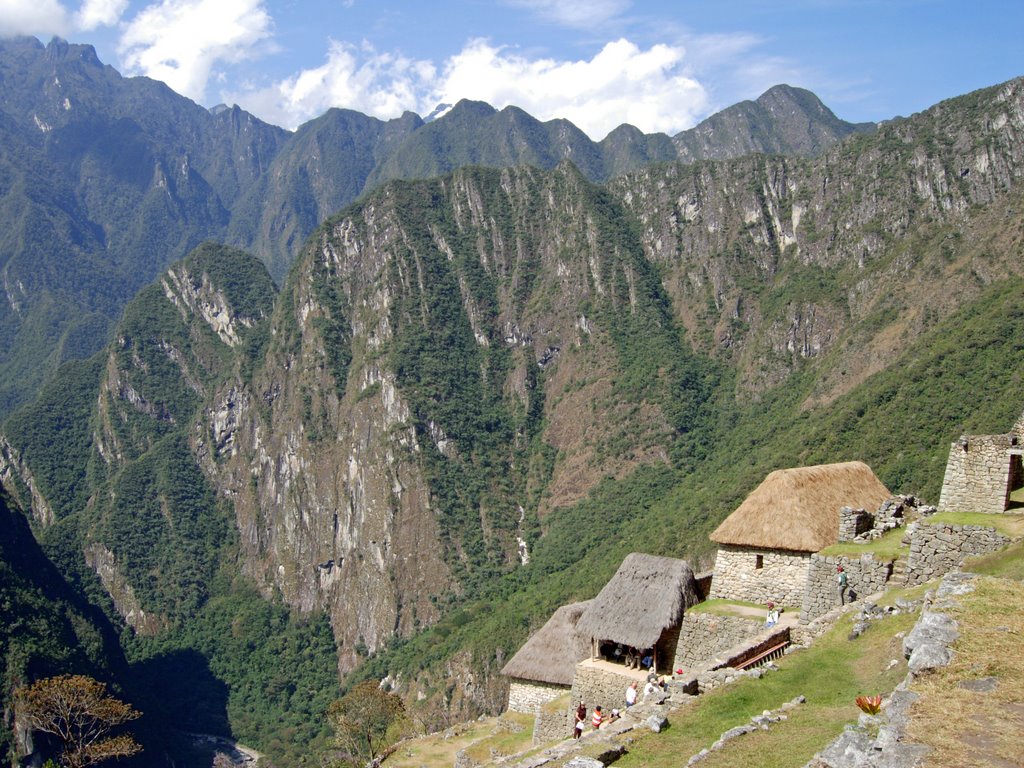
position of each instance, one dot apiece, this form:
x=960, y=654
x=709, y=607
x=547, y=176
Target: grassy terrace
x=831, y=674
x=481, y=739
x=1007, y=524
x=888, y=546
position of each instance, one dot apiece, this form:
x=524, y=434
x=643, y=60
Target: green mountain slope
x=476, y=393
x=105, y=181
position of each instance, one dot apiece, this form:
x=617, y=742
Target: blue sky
x=662, y=66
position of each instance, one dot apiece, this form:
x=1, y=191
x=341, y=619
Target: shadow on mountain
x=185, y=719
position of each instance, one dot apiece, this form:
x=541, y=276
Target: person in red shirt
x=597, y=718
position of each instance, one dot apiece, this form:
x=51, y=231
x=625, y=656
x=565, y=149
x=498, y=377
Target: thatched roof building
x=798, y=509
x=644, y=599
x=551, y=653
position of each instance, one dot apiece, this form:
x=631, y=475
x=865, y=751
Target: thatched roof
x=552, y=652
x=645, y=596
x=798, y=509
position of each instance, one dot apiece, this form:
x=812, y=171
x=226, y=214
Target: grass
x=1017, y=497
x=831, y=674
x=888, y=546
x=1007, y=563
x=1007, y=524
x=970, y=729
x=482, y=740
x=740, y=608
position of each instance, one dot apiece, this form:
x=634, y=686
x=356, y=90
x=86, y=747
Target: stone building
x=543, y=669
x=982, y=471
x=641, y=607
x=765, y=546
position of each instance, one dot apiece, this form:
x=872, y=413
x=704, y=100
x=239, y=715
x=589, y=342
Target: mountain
x=105, y=181
x=475, y=393
x=782, y=121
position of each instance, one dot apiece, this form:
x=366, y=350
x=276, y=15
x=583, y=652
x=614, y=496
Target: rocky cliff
x=458, y=366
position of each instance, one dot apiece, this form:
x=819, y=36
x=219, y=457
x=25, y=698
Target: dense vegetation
x=122, y=446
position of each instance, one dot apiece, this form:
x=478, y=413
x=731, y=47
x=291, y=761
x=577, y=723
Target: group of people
x=598, y=718
x=631, y=657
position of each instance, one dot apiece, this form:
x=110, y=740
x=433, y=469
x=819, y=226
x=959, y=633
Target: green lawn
x=888, y=546
x=1007, y=524
x=831, y=674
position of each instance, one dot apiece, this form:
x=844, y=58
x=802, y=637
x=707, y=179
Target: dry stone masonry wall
x=760, y=575
x=979, y=473
x=704, y=636
x=864, y=576
x=594, y=686
x=937, y=548
x=526, y=696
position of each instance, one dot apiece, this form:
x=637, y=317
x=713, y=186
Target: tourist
x=772, y=618
x=581, y=718
x=597, y=718
x=651, y=687
x=648, y=659
x=841, y=581
x=631, y=694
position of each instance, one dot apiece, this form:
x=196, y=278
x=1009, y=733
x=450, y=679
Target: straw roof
x=645, y=596
x=552, y=652
x=798, y=509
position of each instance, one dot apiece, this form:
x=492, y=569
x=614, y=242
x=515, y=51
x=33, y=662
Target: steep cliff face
x=772, y=261
x=434, y=345
x=454, y=363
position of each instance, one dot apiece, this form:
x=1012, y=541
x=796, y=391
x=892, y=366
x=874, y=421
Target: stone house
x=641, y=607
x=982, y=471
x=765, y=545
x=543, y=669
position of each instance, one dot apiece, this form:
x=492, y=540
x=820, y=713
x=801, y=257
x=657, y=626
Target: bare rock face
x=782, y=255
x=101, y=560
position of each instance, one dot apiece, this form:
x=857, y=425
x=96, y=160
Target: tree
x=77, y=710
x=363, y=716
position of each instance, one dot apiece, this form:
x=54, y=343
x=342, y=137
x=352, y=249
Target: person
x=581, y=718
x=841, y=581
x=597, y=718
x=632, y=657
x=631, y=694
x=648, y=659
x=772, y=618
x=651, y=687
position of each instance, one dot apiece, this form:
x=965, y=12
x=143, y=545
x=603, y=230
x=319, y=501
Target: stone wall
x=937, y=548
x=854, y=522
x=864, y=576
x=554, y=720
x=977, y=474
x=594, y=686
x=781, y=577
x=527, y=695
x=703, y=636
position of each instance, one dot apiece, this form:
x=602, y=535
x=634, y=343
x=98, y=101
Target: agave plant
x=870, y=704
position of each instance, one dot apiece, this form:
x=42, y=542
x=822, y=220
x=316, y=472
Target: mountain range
x=108, y=180
x=438, y=378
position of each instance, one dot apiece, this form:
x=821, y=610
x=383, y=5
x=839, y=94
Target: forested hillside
x=105, y=181
x=475, y=393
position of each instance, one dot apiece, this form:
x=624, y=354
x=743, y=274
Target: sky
x=659, y=65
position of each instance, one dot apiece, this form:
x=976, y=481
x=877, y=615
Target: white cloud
x=360, y=78
x=621, y=83
x=33, y=17
x=181, y=41
x=99, y=13
x=579, y=14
